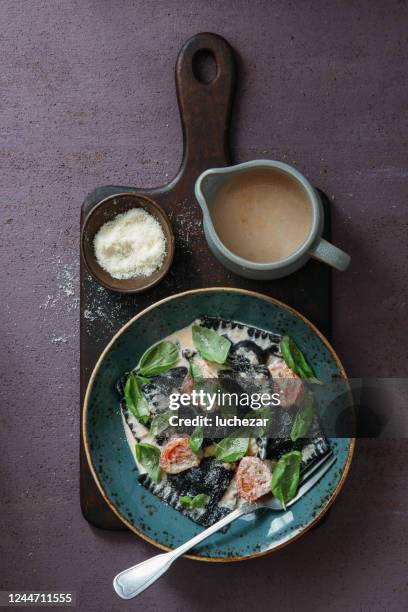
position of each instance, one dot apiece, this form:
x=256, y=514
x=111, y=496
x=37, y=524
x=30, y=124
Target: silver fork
x=136, y=579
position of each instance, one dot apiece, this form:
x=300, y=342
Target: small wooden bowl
x=107, y=210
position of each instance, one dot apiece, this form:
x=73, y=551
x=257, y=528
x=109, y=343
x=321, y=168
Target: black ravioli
x=275, y=448
x=245, y=378
x=210, y=477
x=159, y=384
x=279, y=441
x=160, y=387
x=219, y=324
x=247, y=351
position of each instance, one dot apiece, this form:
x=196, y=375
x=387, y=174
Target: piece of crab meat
x=176, y=456
x=253, y=478
x=288, y=384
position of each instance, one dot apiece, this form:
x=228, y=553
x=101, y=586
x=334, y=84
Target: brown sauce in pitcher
x=262, y=215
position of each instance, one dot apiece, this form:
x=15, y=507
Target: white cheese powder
x=132, y=244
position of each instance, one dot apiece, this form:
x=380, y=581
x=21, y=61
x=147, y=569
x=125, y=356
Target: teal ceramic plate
x=112, y=464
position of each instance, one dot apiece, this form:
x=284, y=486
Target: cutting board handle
x=205, y=107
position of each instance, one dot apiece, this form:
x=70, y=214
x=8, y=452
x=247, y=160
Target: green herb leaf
x=285, y=477
x=232, y=448
x=303, y=419
x=135, y=400
x=296, y=361
x=160, y=423
x=185, y=501
x=196, y=439
x=142, y=379
x=285, y=349
x=199, y=501
x=210, y=345
x=158, y=358
x=149, y=456
x=195, y=372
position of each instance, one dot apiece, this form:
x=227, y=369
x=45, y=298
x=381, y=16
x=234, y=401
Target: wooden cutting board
x=205, y=110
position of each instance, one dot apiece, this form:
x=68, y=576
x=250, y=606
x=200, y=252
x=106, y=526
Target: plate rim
x=84, y=428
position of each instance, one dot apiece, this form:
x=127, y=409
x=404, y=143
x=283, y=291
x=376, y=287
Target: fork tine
x=311, y=482
x=307, y=473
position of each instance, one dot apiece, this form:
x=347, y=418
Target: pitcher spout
x=206, y=187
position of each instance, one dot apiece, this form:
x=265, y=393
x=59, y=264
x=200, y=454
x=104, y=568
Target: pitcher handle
x=328, y=253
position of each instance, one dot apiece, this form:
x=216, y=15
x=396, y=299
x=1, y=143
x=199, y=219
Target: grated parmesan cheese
x=132, y=244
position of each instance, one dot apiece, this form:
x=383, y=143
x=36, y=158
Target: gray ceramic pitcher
x=314, y=246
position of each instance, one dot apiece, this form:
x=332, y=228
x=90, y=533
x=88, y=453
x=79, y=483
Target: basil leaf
x=285, y=477
x=196, y=439
x=210, y=345
x=296, y=361
x=135, y=400
x=185, y=501
x=199, y=501
x=285, y=349
x=232, y=448
x=158, y=358
x=301, y=362
x=195, y=372
x=303, y=419
x=149, y=456
x=142, y=379
x=160, y=423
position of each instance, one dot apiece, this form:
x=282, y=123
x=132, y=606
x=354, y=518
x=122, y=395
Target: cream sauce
x=262, y=215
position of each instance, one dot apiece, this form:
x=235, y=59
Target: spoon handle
x=136, y=579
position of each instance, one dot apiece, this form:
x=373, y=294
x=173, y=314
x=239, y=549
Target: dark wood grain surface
x=205, y=110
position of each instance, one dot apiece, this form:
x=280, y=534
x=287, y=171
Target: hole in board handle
x=204, y=66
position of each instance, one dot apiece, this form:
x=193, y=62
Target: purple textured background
x=87, y=98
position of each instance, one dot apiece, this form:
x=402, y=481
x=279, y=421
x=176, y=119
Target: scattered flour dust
x=104, y=311
x=61, y=306
x=132, y=244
